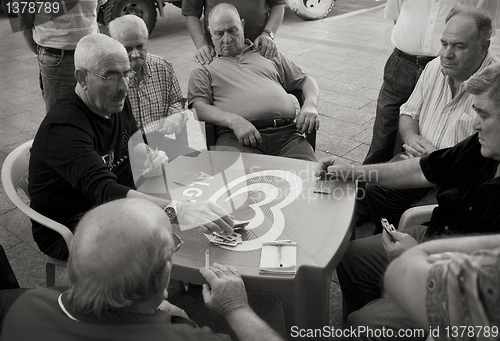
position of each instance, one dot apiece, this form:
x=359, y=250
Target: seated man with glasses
x=84, y=151
x=119, y=289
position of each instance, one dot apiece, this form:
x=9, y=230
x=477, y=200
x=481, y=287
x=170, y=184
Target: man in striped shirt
x=52, y=33
x=154, y=92
x=439, y=112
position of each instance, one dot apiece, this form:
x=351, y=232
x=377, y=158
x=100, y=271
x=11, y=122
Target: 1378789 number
x=32, y=7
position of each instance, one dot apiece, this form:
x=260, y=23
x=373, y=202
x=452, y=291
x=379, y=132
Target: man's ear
x=485, y=46
x=242, y=23
x=81, y=78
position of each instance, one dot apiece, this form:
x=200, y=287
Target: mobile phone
x=389, y=228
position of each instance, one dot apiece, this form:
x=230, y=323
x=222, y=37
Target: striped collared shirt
x=443, y=121
x=157, y=95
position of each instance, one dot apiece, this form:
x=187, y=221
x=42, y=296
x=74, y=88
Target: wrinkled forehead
x=116, y=62
x=224, y=18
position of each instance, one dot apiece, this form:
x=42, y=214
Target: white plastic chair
x=416, y=216
x=14, y=176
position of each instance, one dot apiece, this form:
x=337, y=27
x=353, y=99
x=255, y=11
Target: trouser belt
x=417, y=60
x=58, y=51
x=273, y=123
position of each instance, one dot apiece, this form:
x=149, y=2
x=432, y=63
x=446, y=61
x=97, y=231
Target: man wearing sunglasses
x=118, y=289
x=84, y=151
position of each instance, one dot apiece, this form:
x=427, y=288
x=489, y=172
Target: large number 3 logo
x=265, y=192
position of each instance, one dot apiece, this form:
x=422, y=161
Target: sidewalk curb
x=354, y=13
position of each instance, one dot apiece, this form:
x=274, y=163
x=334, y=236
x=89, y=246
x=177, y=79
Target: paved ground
x=344, y=53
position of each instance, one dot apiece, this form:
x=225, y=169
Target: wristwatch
x=171, y=211
x=268, y=31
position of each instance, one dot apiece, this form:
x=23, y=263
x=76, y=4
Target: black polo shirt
x=469, y=195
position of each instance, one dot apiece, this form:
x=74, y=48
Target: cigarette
x=207, y=259
x=280, y=256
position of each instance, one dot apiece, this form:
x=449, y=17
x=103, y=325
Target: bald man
x=245, y=94
x=119, y=268
x=84, y=150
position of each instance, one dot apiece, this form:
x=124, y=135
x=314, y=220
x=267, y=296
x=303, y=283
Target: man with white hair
x=81, y=154
x=154, y=91
x=118, y=289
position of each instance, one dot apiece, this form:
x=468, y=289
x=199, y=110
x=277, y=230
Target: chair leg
x=50, y=274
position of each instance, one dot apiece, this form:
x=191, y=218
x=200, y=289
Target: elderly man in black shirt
x=468, y=202
x=81, y=155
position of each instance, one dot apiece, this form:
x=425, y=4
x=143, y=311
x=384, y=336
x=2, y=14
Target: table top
x=275, y=194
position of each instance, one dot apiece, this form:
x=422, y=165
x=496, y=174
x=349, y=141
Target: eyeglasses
x=177, y=242
x=128, y=75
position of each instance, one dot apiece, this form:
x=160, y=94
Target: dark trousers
x=400, y=78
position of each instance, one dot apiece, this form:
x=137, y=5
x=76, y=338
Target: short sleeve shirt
x=469, y=195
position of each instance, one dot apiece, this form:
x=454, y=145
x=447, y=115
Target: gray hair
x=487, y=80
x=223, y=6
x=482, y=18
x=127, y=277
x=130, y=23
x=92, y=48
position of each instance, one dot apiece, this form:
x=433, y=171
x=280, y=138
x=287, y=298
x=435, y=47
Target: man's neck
x=455, y=85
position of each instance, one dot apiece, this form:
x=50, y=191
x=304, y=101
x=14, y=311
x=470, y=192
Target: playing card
x=322, y=187
x=389, y=227
x=240, y=226
x=187, y=178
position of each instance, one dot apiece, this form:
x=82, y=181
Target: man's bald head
x=119, y=255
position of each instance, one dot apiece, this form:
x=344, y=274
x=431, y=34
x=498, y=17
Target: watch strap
x=171, y=211
x=268, y=31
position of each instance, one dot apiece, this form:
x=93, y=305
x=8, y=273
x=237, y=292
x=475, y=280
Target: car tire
x=311, y=9
x=144, y=9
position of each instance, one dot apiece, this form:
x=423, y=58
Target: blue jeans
x=400, y=78
x=283, y=141
x=361, y=273
x=58, y=76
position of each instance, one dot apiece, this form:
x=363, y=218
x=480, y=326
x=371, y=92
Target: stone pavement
x=345, y=54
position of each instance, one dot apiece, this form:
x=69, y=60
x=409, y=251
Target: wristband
x=268, y=31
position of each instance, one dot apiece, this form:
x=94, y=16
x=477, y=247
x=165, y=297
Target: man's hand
x=173, y=123
x=171, y=309
x=403, y=242
x=225, y=291
x=267, y=46
x=335, y=167
x=245, y=131
x=155, y=161
x=417, y=146
x=207, y=216
x=307, y=119
x=205, y=54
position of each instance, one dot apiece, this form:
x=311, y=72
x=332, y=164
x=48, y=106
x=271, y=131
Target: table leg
x=307, y=308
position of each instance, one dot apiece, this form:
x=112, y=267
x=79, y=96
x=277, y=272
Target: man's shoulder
x=69, y=109
x=153, y=59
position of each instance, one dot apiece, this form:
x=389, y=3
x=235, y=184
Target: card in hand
x=187, y=178
x=389, y=228
x=322, y=186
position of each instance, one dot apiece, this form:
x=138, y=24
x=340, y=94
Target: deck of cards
x=325, y=186
x=225, y=239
